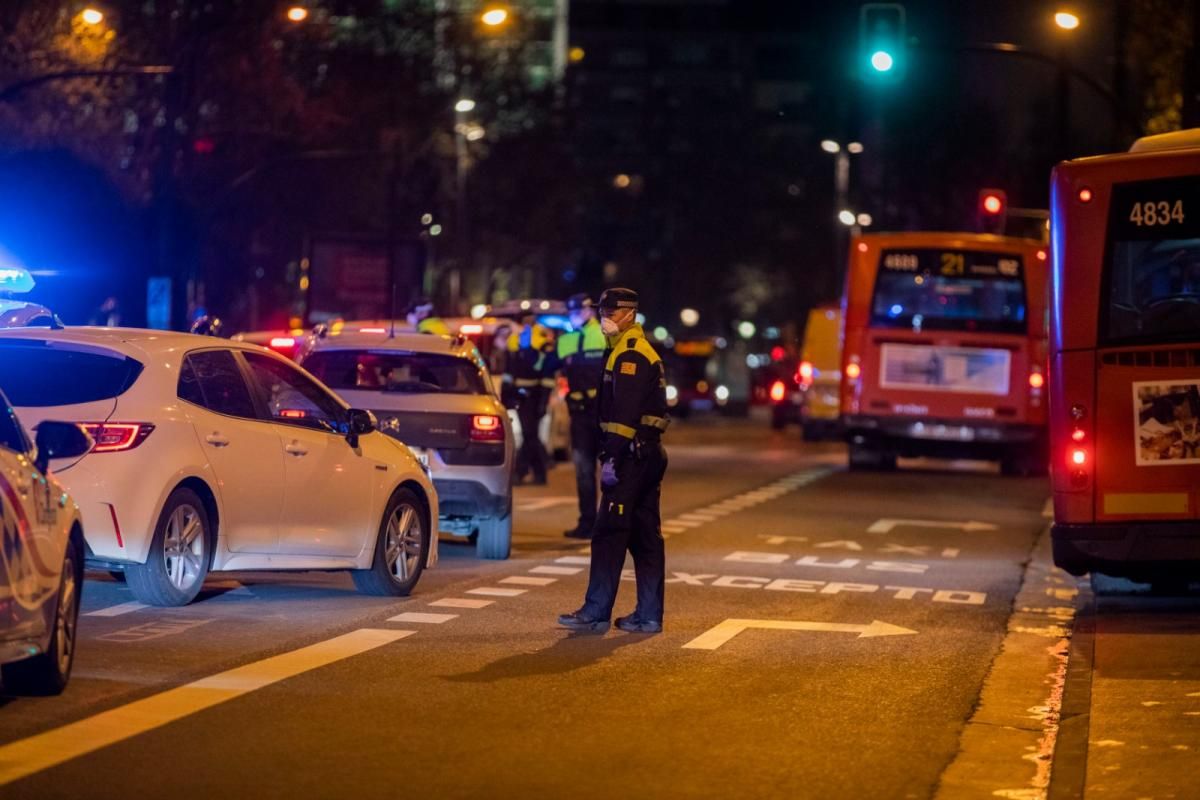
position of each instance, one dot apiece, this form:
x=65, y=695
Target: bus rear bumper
x=941, y=437
x=1135, y=550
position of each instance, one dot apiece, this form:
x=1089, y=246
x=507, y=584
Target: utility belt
x=650, y=429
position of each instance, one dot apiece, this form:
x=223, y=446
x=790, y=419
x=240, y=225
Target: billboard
x=934, y=368
x=1166, y=422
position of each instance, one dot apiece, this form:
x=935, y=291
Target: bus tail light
x=113, y=437
x=778, y=391
x=1036, y=379
x=1078, y=455
x=486, y=428
x=853, y=370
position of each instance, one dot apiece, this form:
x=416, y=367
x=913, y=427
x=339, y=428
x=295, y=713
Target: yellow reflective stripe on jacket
x=651, y=421
x=523, y=382
x=618, y=429
x=637, y=336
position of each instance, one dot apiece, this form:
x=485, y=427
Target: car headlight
x=722, y=394
x=672, y=395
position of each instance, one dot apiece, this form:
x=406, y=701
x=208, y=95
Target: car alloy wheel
x=66, y=619
x=404, y=542
x=183, y=548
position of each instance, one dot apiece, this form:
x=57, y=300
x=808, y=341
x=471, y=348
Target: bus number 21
x=1160, y=213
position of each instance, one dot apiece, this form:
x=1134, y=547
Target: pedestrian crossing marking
x=496, y=591
x=527, y=580
x=418, y=616
x=583, y=560
x=557, y=570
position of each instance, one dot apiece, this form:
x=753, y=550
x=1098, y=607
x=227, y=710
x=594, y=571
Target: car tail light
x=286, y=343
x=113, y=437
x=293, y=413
x=778, y=391
x=486, y=428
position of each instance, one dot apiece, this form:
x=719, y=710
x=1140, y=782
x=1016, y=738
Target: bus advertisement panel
x=1125, y=369
x=945, y=349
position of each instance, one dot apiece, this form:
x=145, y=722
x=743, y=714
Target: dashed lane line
x=25, y=757
x=423, y=617
x=731, y=505
x=117, y=610
x=461, y=602
x=496, y=591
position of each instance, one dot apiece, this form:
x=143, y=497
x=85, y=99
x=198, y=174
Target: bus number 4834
x=1156, y=213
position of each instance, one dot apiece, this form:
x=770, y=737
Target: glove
x=608, y=474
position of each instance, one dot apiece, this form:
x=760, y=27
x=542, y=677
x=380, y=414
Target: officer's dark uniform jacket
x=531, y=362
x=633, y=396
x=582, y=354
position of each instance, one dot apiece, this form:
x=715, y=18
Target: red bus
x=945, y=349
x=1125, y=369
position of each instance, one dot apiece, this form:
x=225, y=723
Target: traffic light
x=992, y=211
x=881, y=41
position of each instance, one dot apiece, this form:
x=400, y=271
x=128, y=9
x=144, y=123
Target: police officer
x=633, y=415
x=530, y=368
x=581, y=353
x=421, y=316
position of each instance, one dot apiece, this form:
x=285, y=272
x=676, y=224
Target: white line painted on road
x=461, y=602
x=527, y=580
x=685, y=523
x=720, y=634
x=496, y=591
x=423, y=617
x=583, y=560
x=886, y=525
x=556, y=570
x=27, y=756
x=117, y=610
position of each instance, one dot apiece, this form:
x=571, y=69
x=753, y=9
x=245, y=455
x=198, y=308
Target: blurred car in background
x=819, y=374
x=434, y=394
x=692, y=371
x=16, y=313
x=285, y=342
x=41, y=556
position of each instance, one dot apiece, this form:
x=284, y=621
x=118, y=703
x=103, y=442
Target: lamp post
x=1066, y=22
x=841, y=196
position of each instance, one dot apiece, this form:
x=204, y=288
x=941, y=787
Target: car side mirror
x=359, y=423
x=60, y=440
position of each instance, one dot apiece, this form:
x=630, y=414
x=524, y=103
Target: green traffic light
x=882, y=61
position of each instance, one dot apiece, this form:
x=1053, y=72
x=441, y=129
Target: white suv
x=216, y=455
x=434, y=394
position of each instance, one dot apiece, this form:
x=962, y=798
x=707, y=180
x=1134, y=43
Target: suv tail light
x=113, y=437
x=486, y=428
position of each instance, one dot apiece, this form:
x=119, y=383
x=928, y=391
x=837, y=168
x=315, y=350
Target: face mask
x=609, y=327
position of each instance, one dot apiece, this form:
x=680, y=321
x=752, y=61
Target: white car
x=218, y=455
x=434, y=394
x=41, y=557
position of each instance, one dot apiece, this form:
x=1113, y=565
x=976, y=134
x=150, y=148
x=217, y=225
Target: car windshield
x=1153, y=270
x=36, y=374
x=960, y=290
x=396, y=371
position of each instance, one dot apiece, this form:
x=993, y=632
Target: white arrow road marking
x=27, y=756
x=886, y=525
x=542, y=503
x=716, y=636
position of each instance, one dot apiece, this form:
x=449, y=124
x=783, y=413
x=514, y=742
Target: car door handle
x=216, y=440
x=296, y=449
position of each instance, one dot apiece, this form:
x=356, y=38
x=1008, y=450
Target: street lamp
x=297, y=14
x=464, y=106
x=92, y=16
x=689, y=317
x=847, y=217
x=830, y=146
x=494, y=17
x=1066, y=20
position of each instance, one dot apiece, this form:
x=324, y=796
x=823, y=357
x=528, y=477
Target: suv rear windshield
x=37, y=374
x=960, y=290
x=1152, y=281
x=396, y=371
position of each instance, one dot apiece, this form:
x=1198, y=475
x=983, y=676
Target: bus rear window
x=959, y=290
x=1152, y=282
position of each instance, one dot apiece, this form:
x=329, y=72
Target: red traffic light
x=992, y=201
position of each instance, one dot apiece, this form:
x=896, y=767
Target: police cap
x=615, y=298
x=578, y=302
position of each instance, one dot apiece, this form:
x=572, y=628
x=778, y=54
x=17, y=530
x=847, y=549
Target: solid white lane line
x=27, y=756
x=424, y=617
x=527, y=580
x=496, y=591
x=461, y=602
x=118, y=610
x=582, y=560
x=557, y=570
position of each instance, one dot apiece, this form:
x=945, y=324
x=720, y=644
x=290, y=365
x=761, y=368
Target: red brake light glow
x=1078, y=435
x=992, y=204
x=806, y=371
x=282, y=342
x=486, y=428
x=1085, y=195
x=1036, y=380
x=1078, y=456
x=293, y=413
x=113, y=437
x=778, y=390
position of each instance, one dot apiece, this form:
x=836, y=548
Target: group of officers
x=616, y=396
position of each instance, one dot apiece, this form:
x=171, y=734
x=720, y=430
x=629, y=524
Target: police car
x=41, y=557
x=16, y=313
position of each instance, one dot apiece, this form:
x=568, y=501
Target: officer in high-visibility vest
x=420, y=316
x=633, y=416
x=530, y=369
x=581, y=353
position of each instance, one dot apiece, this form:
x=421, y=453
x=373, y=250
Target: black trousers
x=531, y=407
x=585, y=450
x=629, y=520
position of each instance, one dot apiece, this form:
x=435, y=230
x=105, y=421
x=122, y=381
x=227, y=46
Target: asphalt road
x=828, y=634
